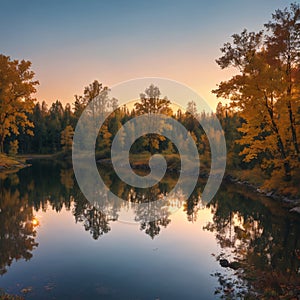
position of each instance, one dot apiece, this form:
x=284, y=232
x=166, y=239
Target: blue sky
x=71, y=43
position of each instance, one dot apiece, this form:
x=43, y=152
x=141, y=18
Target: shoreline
x=292, y=204
x=11, y=164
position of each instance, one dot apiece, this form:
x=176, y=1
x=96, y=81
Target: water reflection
x=17, y=224
x=49, y=183
x=259, y=241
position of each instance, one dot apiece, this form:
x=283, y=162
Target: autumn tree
x=13, y=147
x=283, y=44
x=265, y=92
x=96, y=94
x=79, y=106
x=54, y=124
x=151, y=103
x=17, y=84
x=230, y=122
x=67, y=138
x=97, y=105
x=192, y=108
x=105, y=135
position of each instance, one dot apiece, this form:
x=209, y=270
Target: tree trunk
x=287, y=171
x=280, y=145
x=2, y=144
x=289, y=106
x=293, y=130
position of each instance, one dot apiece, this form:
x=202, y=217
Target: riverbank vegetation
x=265, y=95
x=259, y=111
x=261, y=119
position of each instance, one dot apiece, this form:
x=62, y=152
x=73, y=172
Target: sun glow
x=35, y=222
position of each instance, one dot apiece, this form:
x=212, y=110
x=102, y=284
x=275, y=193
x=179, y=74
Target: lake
x=55, y=245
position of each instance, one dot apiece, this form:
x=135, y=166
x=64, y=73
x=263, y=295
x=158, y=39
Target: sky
x=73, y=42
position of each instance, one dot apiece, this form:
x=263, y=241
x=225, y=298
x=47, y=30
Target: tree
x=67, y=138
x=283, y=43
x=265, y=92
x=230, y=122
x=38, y=142
x=151, y=103
x=79, y=106
x=97, y=106
x=55, y=126
x=192, y=108
x=97, y=94
x=105, y=135
x=13, y=147
x=16, y=87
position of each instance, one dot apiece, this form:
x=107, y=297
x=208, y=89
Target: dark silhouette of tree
x=94, y=221
x=261, y=238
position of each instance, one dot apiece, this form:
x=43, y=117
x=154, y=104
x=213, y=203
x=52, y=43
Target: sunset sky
x=71, y=43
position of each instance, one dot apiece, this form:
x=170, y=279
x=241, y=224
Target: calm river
x=55, y=245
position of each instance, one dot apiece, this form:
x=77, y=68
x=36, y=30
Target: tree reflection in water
x=261, y=239
x=17, y=224
x=49, y=184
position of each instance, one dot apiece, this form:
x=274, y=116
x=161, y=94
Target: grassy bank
x=273, y=186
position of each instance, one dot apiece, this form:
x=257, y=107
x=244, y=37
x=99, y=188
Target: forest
x=245, y=237
x=259, y=111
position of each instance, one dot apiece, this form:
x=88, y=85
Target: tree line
x=261, y=120
x=50, y=129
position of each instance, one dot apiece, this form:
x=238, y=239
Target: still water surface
x=55, y=245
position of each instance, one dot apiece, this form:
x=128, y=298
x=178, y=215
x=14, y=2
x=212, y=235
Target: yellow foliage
x=67, y=138
x=16, y=87
x=265, y=94
x=13, y=147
